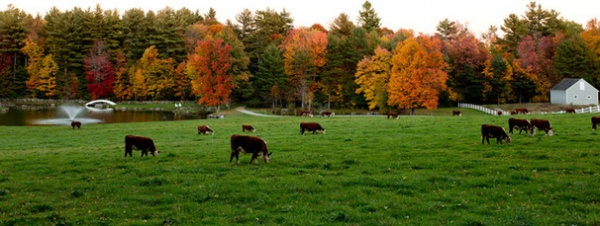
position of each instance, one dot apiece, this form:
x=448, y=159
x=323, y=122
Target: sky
x=422, y=16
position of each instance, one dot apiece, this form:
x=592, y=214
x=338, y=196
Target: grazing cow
x=204, y=129
x=392, y=115
x=248, y=128
x=521, y=124
x=493, y=131
x=311, y=127
x=540, y=124
x=306, y=113
x=570, y=110
x=75, y=124
x=456, y=113
x=595, y=120
x=513, y=112
x=522, y=111
x=249, y=144
x=498, y=112
x=327, y=113
x=143, y=144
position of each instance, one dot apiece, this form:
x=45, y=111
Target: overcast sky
x=418, y=15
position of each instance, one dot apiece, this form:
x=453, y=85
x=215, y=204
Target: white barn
x=574, y=91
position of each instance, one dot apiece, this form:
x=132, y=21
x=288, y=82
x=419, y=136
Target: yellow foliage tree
x=418, y=74
x=42, y=70
x=372, y=76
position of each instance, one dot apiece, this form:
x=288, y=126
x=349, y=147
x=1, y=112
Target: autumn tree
x=304, y=53
x=182, y=86
x=207, y=70
x=99, y=72
x=418, y=74
x=497, y=76
x=372, y=77
x=123, y=87
x=153, y=76
x=42, y=71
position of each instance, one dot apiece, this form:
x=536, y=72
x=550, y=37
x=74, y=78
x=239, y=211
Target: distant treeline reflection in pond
x=29, y=117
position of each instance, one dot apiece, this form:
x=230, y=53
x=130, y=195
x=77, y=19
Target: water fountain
x=67, y=113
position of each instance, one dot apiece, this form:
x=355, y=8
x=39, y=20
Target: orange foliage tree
x=207, y=70
x=152, y=76
x=304, y=53
x=372, y=76
x=418, y=74
x=42, y=70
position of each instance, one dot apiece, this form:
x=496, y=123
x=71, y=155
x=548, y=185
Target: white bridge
x=100, y=105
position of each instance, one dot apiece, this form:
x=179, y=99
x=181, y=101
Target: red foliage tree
x=99, y=72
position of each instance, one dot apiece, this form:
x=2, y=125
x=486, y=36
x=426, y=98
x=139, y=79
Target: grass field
x=417, y=170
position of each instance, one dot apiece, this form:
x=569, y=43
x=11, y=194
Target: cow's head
x=155, y=153
x=550, y=132
x=507, y=139
x=267, y=157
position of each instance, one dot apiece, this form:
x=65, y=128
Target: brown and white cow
x=311, y=127
x=522, y=111
x=306, y=113
x=143, y=144
x=456, y=113
x=249, y=145
x=327, y=113
x=513, y=112
x=570, y=110
x=392, y=115
x=248, y=128
x=595, y=120
x=204, y=129
x=540, y=124
x=75, y=124
x=521, y=124
x=493, y=131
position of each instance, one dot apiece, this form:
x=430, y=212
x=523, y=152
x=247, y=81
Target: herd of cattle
x=529, y=126
x=244, y=144
x=258, y=147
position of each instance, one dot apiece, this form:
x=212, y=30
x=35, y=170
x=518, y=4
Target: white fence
x=484, y=109
x=590, y=109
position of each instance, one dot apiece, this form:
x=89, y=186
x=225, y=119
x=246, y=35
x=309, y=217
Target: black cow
x=595, y=120
x=493, y=131
x=76, y=124
x=249, y=144
x=521, y=124
x=248, y=128
x=540, y=124
x=144, y=144
x=204, y=129
x=311, y=127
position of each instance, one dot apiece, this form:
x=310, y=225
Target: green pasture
x=418, y=170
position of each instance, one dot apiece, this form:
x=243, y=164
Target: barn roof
x=565, y=83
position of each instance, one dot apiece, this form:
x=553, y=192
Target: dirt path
x=242, y=110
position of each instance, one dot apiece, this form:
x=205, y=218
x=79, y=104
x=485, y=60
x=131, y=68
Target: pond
x=35, y=117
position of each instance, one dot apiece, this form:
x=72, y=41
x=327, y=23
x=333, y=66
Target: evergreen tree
x=368, y=18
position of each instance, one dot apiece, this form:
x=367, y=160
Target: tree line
x=260, y=59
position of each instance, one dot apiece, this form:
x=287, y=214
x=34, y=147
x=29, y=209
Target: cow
x=595, y=120
x=493, y=131
x=248, y=128
x=498, y=112
x=522, y=111
x=570, y=110
x=311, y=127
x=456, y=113
x=327, y=113
x=521, y=124
x=540, y=124
x=144, y=144
x=204, y=129
x=76, y=124
x=513, y=112
x=249, y=145
x=392, y=115
x=306, y=113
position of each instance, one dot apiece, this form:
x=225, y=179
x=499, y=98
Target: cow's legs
x=253, y=158
x=234, y=154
